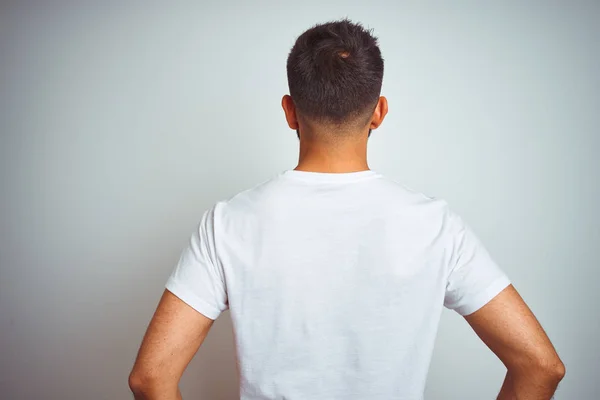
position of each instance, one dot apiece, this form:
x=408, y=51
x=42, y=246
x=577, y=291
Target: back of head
x=335, y=71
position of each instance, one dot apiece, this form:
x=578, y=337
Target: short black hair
x=335, y=72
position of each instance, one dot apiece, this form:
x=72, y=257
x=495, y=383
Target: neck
x=338, y=157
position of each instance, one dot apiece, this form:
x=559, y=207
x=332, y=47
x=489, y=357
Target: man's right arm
x=509, y=328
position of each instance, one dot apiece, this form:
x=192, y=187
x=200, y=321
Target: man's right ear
x=289, y=108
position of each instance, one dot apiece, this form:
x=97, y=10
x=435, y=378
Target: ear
x=379, y=114
x=289, y=108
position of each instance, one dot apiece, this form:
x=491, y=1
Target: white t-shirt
x=335, y=283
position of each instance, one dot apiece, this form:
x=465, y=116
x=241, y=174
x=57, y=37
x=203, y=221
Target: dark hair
x=335, y=72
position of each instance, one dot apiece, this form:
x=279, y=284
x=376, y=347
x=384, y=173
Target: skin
x=321, y=151
x=506, y=324
x=174, y=335
x=509, y=328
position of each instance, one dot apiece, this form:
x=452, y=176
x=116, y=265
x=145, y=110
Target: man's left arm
x=174, y=335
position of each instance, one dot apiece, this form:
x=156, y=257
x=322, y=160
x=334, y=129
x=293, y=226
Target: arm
x=509, y=328
x=173, y=337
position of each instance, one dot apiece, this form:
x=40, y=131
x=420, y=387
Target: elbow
x=141, y=383
x=137, y=383
x=549, y=371
x=556, y=371
x=146, y=383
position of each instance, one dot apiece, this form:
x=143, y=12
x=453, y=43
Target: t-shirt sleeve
x=198, y=278
x=474, y=278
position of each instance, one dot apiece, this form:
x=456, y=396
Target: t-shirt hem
x=475, y=302
x=191, y=299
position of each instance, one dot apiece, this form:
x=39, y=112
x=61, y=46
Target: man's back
x=335, y=283
x=335, y=276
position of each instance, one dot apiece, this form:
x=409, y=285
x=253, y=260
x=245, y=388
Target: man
x=335, y=276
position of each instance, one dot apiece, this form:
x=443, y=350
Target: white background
x=121, y=124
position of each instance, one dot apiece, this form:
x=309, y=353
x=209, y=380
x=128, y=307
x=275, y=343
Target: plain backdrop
x=120, y=124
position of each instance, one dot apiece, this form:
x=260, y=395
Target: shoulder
x=402, y=196
x=248, y=201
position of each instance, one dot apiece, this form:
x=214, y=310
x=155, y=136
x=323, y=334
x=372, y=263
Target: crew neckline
x=330, y=176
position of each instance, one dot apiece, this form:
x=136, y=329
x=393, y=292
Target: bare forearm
x=528, y=385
